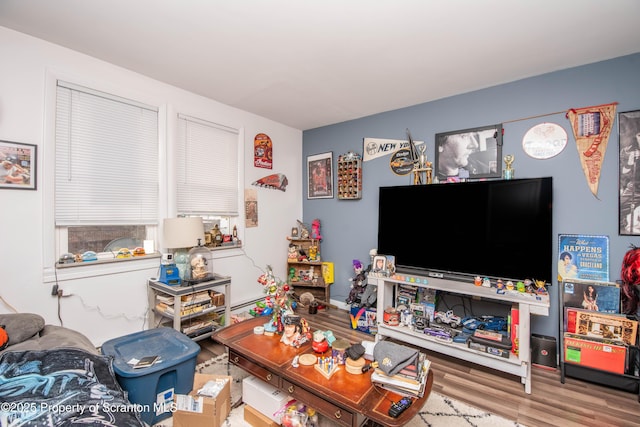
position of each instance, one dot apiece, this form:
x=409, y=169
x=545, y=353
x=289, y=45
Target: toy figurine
x=293, y=252
x=358, y=283
x=292, y=330
x=302, y=255
x=477, y=281
x=313, y=253
x=304, y=230
x=315, y=229
x=529, y=286
x=540, y=287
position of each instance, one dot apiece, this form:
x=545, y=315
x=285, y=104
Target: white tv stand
x=528, y=305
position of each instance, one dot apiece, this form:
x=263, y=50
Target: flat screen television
x=497, y=229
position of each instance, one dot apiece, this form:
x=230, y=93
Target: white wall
x=113, y=301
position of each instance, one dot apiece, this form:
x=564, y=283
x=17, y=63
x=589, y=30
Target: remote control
x=398, y=407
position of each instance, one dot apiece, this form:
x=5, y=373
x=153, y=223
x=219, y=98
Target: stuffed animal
x=370, y=296
x=315, y=229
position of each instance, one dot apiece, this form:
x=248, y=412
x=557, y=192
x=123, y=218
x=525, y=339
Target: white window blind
x=207, y=168
x=106, y=159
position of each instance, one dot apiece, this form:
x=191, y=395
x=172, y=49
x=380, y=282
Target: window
x=207, y=171
x=106, y=171
x=207, y=168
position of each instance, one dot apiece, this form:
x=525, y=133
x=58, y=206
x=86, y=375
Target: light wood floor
x=551, y=403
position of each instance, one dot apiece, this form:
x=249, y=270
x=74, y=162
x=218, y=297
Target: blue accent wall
x=349, y=227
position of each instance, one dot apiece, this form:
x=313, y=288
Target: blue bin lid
x=172, y=346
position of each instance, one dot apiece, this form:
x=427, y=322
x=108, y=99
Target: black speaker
x=544, y=351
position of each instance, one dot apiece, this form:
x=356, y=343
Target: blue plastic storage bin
x=172, y=374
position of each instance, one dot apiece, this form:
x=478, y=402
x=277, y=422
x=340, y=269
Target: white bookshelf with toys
x=513, y=357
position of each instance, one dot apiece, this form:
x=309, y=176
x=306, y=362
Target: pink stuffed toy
x=315, y=229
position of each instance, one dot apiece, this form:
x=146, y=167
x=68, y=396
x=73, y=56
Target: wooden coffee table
x=345, y=398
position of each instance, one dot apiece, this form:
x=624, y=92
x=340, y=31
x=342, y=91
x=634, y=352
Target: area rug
x=438, y=411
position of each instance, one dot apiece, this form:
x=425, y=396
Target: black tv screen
x=497, y=229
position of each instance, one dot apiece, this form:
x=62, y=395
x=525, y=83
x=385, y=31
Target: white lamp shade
x=182, y=232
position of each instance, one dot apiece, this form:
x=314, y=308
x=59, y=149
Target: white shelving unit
x=218, y=283
x=528, y=305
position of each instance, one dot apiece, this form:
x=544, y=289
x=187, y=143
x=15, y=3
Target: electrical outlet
x=54, y=291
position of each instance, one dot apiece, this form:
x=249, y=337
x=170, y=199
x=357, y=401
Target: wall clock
x=544, y=141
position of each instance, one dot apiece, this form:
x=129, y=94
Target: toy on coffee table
x=296, y=330
x=278, y=302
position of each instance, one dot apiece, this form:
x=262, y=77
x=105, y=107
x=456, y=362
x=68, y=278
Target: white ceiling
x=311, y=63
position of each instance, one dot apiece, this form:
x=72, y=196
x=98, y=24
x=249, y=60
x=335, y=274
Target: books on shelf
x=165, y=299
x=410, y=381
x=513, y=329
x=185, y=311
x=196, y=298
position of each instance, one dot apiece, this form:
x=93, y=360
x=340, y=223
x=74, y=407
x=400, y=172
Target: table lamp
x=181, y=234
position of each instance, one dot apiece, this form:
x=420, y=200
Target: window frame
x=167, y=129
x=171, y=177
x=53, y=235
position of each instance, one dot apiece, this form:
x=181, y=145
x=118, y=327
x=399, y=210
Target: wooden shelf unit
x=307, y=274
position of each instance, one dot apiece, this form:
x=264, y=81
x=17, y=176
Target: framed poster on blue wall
x=584, y=257
x=629, y=180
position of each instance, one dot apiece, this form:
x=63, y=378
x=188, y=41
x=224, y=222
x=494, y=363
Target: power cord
x=4, y=301
x=60, y=294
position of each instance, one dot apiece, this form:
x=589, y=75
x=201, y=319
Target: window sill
x=100, y=267
x=108, y=260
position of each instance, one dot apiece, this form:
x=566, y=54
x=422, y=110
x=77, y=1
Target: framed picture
x=629, y=173
x=380, y=264
x=469, y=153
x=320, y=176
x=583, y=257
x=383, y=266
x=18, y=171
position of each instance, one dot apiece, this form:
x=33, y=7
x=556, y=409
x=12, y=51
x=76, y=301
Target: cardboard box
x=240, y=317
x=593, y=354
x=264, y=397
x=364, y=319
x=490, y=349
x=257, y=418
x=212, y=412
x=423, y=309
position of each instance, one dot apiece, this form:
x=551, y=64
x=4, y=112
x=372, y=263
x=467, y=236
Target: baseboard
x=340, y=304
